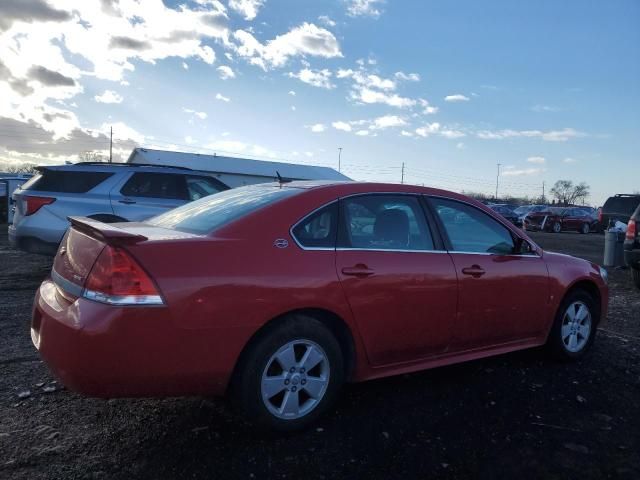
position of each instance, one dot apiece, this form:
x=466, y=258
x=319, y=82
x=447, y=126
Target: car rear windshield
x=65, y=181
x=621, y=205
x=210, y=213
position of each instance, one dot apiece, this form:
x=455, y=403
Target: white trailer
x=235, y=172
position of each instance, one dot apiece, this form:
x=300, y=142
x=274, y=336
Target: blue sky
x=547, y=89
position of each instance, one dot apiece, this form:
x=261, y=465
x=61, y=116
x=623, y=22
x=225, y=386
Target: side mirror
x=522, y=247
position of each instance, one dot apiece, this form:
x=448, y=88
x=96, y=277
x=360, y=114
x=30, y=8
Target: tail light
x=600, y=214
x=117, y=279
x=36, y=203
x=631, y=230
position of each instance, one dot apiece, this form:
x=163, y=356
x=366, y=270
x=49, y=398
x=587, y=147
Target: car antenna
x=281, y=180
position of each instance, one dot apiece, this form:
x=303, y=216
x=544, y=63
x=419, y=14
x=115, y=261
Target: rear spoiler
x=107, y=232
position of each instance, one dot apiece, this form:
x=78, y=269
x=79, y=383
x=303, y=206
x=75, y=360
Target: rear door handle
x=358, y=271
x=127, y=201
x=476, y=271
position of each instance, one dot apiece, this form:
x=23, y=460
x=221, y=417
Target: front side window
x=319, y=229
x=155, y=185
x=471, y=230
x=385, y=222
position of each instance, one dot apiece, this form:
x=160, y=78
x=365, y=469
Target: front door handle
x=476, y=271
x=127, y=201
x=359, y=270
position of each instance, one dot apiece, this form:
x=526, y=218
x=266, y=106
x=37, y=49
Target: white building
x=235, y=172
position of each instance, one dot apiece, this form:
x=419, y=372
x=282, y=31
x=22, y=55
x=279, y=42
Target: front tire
x=574, y=327
x=585, y=228
x=290, y=375
x=556, y=227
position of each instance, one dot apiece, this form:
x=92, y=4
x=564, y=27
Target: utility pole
x=402, y=178
x=497, y=181
x=543, y=200
x=111, y=145
x=339, y=157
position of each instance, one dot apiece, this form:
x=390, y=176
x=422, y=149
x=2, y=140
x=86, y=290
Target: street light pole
x=497, y=180
x=339, y=157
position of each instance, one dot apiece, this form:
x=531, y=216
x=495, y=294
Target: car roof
x=118, y=167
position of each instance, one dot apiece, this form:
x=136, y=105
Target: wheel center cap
x=295, y=379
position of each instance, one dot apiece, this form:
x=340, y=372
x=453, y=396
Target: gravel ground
x=517, y=414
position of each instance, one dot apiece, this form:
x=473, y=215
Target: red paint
x=406, y=311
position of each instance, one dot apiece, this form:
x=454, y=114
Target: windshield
x=214, y=211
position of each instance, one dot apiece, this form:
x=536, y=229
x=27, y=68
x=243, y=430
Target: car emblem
x=280, y=243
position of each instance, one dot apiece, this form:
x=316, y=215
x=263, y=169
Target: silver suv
x=109, y=192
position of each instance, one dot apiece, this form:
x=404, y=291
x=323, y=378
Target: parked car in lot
x=559, y=219
x=617, y=208
x=524, y=210
x=507, y=213
x=109, y=192
x=632, y=246
x=277, y=294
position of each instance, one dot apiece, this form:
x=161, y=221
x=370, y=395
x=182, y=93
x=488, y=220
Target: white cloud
x=460, y=146
x=410, y=77
x=185, y=66
x=317, y=128
x=344, y=126
x=387, y=121
x=222, y=98
x=362, y=133
x=428, y=129
x=356, y=8
x=452, y=134
x=225, y=72
x=292, y=93
x=458, y=97
x=367, y=95
x=316, y=78
x=307, y=39
x=200, y=115
x=325, y=20
x=569, y=160
x=247, y=8
x=549, y=136
x=427, y=109
x=405, y=133
x=513, y=172
x=108, y=96
x=538, y=160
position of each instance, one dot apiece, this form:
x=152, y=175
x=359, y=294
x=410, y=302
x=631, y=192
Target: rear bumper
x=632, y=258
x=105, y=351
x=30, y=243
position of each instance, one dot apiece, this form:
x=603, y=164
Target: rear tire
x=556, y=227
x=273, y=389
x=585, y=228
x=635, y=275
x=574, y=328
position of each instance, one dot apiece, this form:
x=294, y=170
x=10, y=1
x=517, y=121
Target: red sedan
x=558, y=219
x=278, y=294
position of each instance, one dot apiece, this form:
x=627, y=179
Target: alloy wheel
x=295, y=379
x=576, y=327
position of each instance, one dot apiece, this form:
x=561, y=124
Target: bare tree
x=91, y=156
x=566, y=193
x=22, y=168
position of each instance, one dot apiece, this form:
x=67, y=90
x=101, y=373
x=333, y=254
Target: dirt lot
x=518, y=414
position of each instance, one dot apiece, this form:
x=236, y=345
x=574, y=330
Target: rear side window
x=212, y=212
x=385, y=222
x=65, y=181
x=319, y=229
x=155, y=185
x=198, y=187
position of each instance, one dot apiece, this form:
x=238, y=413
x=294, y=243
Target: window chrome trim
x=531, y=255
x=124, y=300
x=401, y=250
